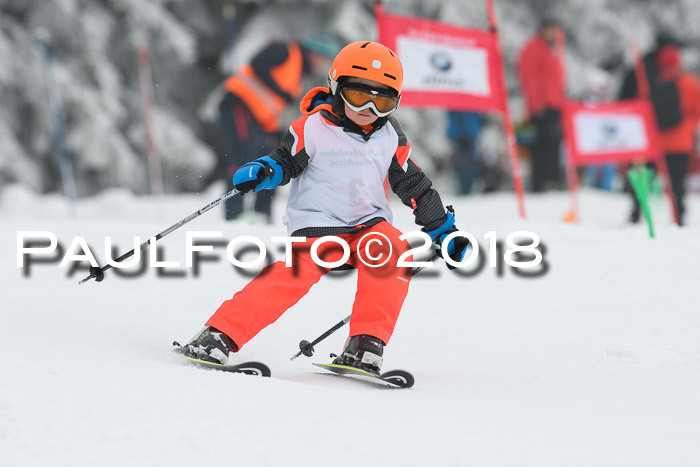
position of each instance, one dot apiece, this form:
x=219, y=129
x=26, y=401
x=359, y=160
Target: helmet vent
x=361, y=68
x=389, y=76
x=364, y=45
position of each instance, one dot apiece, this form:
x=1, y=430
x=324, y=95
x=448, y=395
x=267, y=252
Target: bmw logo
x=609, y=128
x=441, y=61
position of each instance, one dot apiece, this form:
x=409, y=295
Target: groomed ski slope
x=597, y=363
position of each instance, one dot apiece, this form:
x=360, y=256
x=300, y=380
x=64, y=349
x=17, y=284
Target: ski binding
x=393, y=378
x=248, y=368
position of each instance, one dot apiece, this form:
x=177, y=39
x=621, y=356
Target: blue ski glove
x=457, y=247
x=261, y=174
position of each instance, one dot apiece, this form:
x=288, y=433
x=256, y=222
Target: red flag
x=453, y=68
x=445, y=66
x=619, y=132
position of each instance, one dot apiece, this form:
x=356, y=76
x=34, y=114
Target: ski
x=393, y=378
x=247, y=368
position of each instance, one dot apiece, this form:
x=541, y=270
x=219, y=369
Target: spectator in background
x=629, y=89
x=493, y=152
x=463, y=130
x=678, y=115
x=597, y=89
x=256, y=97
x=542, y=81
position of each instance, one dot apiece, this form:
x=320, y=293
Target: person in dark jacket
x=463, y=130
x=677, y=141
x=629, y=89
x=255, y=99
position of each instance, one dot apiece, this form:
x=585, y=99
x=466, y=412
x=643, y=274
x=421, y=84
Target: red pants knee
x=381, y=286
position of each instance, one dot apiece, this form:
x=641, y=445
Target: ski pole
x=307, y=348
x=99, y=273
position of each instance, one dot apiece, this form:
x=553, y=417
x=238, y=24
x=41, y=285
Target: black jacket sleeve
x=292, y=164
x=413, y=187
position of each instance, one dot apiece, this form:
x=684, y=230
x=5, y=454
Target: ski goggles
x=360, y=98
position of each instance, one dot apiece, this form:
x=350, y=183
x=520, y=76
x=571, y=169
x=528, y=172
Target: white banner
x=598, y=132
x=436, y=67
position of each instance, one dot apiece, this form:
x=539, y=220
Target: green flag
x=642, y=179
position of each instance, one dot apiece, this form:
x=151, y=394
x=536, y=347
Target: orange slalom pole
x=571, y=176
x=507, y=120
x=147, y=108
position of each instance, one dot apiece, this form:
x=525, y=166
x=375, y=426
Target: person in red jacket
x=542, y=81
x=678, y=141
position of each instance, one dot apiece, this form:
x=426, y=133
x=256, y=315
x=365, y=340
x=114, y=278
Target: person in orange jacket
x=542, y=82
x=256, y=96
x=677, y=141
x=337, y=157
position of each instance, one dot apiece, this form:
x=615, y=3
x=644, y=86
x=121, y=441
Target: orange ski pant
x=381, y=288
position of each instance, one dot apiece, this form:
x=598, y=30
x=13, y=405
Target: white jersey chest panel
x=343, y=184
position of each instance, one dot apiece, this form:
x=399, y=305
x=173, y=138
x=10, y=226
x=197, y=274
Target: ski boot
x=211, y=345
x=364, y=352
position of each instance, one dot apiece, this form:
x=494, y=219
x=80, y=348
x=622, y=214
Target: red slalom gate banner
x=611, y=132
x=444, y=66
x=623, y=132
x=454, y=68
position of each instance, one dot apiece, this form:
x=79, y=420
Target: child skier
x=337, y=157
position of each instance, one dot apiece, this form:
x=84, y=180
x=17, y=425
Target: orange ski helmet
x=368, y=60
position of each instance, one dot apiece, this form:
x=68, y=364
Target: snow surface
x=595, y=364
